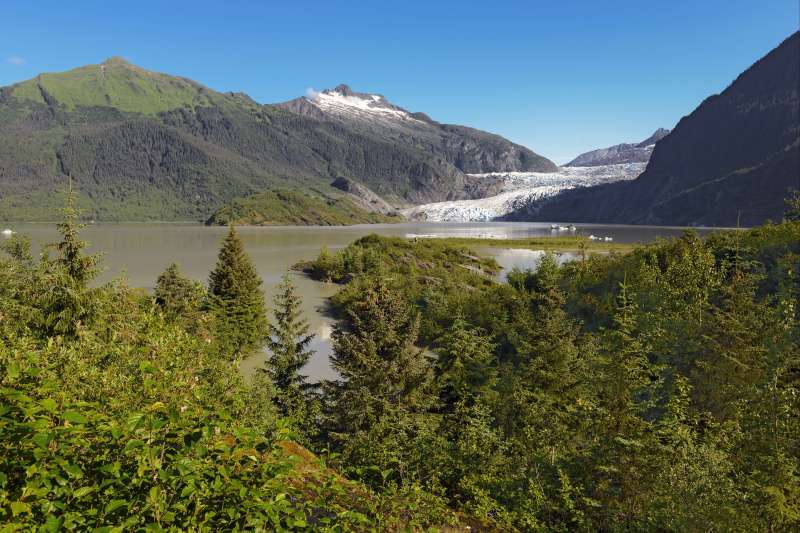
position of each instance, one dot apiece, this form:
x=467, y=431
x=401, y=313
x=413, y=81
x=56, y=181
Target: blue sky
x=558, y=76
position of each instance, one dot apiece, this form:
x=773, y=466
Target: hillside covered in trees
x=653, y=390
x=142, y=145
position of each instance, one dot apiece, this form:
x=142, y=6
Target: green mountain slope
x=117, y=84
x=140, y=145
x=294, y=208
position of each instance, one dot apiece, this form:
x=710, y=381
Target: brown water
x=140, y=252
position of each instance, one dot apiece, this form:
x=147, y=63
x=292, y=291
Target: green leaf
x=75, y=417
x=73, y=470
x=83, y=491
x=19, y=507
x=13, y=372
x=113, y=505
x=134, y=420
x=49, y=404
x=53, y=523
x=42, y=440
x=133, y=444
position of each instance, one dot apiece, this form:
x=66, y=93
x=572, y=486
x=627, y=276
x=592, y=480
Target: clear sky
x=558, y=76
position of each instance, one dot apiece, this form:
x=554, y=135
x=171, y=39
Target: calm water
x=140, y=252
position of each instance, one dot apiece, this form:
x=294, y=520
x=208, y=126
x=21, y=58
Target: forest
x=652, y=390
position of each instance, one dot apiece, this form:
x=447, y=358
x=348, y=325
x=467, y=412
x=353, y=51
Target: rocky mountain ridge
x=732, y=161
x=620, y=153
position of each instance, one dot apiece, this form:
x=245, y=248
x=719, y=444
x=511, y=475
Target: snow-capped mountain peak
x=342, y=100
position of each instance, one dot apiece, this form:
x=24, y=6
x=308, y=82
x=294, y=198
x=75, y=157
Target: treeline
x=121, y=410
x=656, y=390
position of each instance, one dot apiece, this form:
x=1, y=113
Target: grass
x=116, y=83
x=548, y=244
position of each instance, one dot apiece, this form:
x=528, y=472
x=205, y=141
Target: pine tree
x=379, y=407
x=288, y=343
x=628, y=382
x=465, y=365
x=80, y=267
x=176, y=295
x=69, y=302
x=236, y=301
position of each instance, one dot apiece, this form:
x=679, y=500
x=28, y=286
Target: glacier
x=519, y=189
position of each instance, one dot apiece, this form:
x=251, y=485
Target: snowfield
x=363, y=106
x=522, y=188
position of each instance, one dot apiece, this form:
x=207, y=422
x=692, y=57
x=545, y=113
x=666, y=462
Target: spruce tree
x=69, y=302
x=465, y=365
x=236, y=301
x=79, y=267
x=622, y=462
x=178, y=296
x=380, y=406
x=288, y=343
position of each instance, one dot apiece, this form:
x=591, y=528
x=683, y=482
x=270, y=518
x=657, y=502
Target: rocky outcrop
x=620, y=153
x=731, y=161
x=363, y=197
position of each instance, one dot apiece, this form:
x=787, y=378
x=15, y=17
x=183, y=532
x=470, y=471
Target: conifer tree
x=792, y=213
x=69, y=302
x=79, y=267
x=236, y=300
x=178, y=296
x=288, y=343
x=378, y=408
x=465, y=365
x=628, y=377
x=627, y=389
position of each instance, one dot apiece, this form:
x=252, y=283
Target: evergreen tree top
x=234, y=274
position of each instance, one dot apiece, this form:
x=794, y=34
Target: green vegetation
x=287, y=344
x=236, y=301
x=576, y=243
x=287, y=207
x=655, y=390
x=179, y=297
x=116, y=414
x=115, y=83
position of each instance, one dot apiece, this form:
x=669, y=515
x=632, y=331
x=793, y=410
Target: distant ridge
x=731, y=161
x=620, y=153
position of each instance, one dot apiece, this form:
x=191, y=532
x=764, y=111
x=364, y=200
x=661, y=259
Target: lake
x=140, y=252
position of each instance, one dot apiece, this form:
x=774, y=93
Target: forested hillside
x=141, y=145
x=653, y=390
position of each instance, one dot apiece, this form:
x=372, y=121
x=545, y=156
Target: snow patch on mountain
x=346, y=102
x=522, y=188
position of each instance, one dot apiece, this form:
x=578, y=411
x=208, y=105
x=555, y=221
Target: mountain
x=732, y=160
x=141, y=145
x=456, y=150
x=620, y=153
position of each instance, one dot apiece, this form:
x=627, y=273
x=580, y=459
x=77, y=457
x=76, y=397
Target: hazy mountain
x=733, y=158
x=620, y=153
x=141, y=145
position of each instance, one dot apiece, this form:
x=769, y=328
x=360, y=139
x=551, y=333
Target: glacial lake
x=140, y=252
